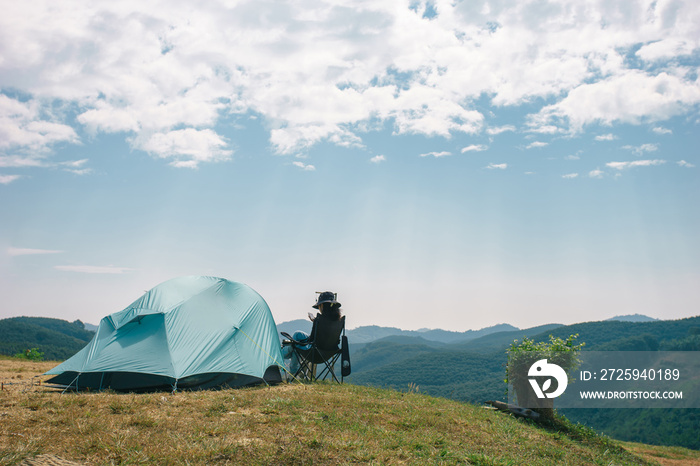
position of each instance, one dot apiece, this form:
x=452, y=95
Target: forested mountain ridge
x=57, y=339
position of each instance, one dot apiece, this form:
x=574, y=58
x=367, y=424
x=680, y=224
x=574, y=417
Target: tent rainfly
x=187, y=333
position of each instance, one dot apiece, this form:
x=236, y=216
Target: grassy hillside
x=56, y=338
x=474, y=372
x=288, y=424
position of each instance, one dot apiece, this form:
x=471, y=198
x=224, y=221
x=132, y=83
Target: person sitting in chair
x=327, y=325
x=328, y=310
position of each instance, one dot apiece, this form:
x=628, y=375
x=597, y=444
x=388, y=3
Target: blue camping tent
x=188, y=333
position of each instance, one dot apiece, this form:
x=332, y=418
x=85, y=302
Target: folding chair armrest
x=287, y=339
x=290, y=340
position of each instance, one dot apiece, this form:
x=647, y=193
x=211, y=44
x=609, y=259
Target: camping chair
x=322, y=347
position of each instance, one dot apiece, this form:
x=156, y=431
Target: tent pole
x=69, y=385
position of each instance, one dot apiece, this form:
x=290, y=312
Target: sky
x=439, y=164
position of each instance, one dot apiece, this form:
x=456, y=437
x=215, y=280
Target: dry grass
x=666, y=456
x=286, y=424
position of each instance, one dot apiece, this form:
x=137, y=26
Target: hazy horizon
x=427, y=329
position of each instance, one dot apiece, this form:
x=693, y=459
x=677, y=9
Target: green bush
x=522, y=355
x=31, y=354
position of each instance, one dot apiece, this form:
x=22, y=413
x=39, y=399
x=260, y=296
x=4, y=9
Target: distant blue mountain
x=370, y=333
x=445, y=336
x=633, y=318
x=498, y=341
x=90, y=327
x=303, y=325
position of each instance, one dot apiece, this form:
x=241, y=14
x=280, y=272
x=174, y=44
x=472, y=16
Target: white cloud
x=536, y=145
x=683, y=163
x=75, y=166
x=297, y=138
x=545, y=129
x=21, y=161
x=378, y=159
x=192, y=164
x=642, y=149
x=304, y=166
x=497, y=166
x=165, y=76
x=29, y=252
x=436, y=154
x=570, y=176
x=499, y=129
x=630, y=96
x=474, y=148
x=81, y=172
x=662, y=130
x=636, y=163
x=664, y=49
x=188, y=147
x=597, y=173
x=572, y=157
x=7, y=179
x=26, y=127
x=73, y=163
x=93, y=269
x=606, y=137
x=108, y=119
x=424, y=110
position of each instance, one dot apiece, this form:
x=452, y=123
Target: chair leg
x=329, y=369
x=304, y=370
x=311, y=371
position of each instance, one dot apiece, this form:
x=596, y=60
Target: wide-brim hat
x=326, y=297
